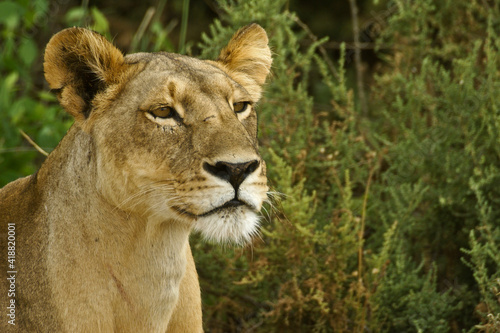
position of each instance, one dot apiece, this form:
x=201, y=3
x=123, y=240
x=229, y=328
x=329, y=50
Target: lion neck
x=137, y=253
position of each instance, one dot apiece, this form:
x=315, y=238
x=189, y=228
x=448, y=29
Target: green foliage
x=93, y=19
x=484, y=261
x=438, y=109
x=152, y=35
x=22, y=105
x=407, y=302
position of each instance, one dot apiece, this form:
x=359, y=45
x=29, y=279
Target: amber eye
x=163, y=112
x=240, y=107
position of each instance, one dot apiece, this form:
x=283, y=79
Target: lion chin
x=229, y=225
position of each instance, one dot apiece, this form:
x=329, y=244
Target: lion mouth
x=231, y=204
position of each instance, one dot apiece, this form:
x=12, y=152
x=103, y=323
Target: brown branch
x=357, y=57
x=321, y=49
x=352, y=46
x=361, y=246
x=33, y=143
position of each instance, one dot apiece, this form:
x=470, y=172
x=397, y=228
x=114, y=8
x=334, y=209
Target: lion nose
x=234, y=173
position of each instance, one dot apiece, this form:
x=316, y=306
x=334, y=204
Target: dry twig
x=33, y=143
x=357, y=57
x=321, y=49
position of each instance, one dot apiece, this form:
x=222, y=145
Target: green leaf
x=75, y=16
x=11, y=13
x=28, y=51
x=101, y=24
x=6, y=87
x=47, y=96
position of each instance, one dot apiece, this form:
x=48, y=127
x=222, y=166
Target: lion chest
x=125, y=283
x=145, y=301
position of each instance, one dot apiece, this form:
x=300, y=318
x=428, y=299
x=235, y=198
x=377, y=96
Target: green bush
x=437, y=104
x=22, y=106
x=380, y=221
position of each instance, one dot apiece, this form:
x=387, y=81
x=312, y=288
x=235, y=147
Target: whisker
x=267, y=214
x=146, y=189
x=277, y=195
x=168, y=202
x=161, y=189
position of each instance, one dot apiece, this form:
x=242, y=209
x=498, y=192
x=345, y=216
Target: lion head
x=174, y=138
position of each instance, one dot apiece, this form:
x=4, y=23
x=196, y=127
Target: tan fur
x=102, y=228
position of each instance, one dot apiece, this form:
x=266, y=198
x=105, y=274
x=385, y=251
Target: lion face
x=175, y=137
x=193, y=153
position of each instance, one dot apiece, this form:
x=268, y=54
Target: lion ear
x=79, y=64
x=247, y=57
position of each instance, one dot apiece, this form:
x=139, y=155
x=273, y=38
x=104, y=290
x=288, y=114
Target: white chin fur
x=233, y=225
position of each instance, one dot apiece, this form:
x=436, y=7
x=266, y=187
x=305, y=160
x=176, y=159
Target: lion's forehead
x=184, y=69
x=181, y=77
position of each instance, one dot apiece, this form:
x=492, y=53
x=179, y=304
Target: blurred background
x=380, y=127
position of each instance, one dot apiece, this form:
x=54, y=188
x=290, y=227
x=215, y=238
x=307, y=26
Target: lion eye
x=163, y=112
x=240, y=107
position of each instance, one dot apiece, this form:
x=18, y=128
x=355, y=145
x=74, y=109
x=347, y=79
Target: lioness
x=97, y=239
